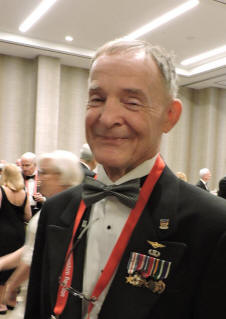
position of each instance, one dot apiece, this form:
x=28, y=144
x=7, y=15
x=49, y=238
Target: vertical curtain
x=42, y=106
x=73, y=98
x=199, y=138
x=17, y=106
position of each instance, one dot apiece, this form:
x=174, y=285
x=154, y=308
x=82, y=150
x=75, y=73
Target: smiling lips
x=112, y=139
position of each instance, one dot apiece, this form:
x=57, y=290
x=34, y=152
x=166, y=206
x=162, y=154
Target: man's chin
x=112, y=162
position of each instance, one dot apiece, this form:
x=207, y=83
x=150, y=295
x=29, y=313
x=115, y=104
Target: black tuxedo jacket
x=200, y=184
x=195, y=243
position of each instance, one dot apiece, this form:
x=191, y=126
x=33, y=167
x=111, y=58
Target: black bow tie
x=29, y=177
x=94, y=190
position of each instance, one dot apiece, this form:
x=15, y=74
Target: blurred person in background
x=15, y=210
x=18, y=162
x=58, y=171
x=30, y=174
x=205, y=176
x=87, y=160
x=182, y=176
x=222, y=188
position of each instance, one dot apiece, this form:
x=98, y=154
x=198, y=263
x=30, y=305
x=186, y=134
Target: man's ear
x=173, y=113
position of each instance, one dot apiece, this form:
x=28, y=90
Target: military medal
x=139, y=281
x=147, y=271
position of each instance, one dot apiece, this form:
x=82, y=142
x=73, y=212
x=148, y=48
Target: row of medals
x=156, y=286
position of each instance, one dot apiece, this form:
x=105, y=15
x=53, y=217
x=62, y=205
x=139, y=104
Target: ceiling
x=93, y=22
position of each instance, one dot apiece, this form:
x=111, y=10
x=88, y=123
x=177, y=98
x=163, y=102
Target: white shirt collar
x=139, y=171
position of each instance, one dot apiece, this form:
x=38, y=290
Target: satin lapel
x=161, y=205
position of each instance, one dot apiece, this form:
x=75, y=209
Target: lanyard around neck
x=118, y=249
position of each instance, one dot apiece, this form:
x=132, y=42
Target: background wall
x=199, y=138
x=43, y=103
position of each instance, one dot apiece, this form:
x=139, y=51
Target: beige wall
x=42, y=108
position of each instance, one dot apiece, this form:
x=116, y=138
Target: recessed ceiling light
x=170, y=15
x=69, y=38
x=204, y=55
x=41, y=9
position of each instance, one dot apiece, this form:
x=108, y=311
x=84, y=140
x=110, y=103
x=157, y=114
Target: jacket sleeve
x=35, y=309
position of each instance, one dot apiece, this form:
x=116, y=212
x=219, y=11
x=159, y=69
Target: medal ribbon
x=119, y=247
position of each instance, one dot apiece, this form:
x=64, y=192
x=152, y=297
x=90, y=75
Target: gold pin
x=155, y=244
x=153, y=252
x=164, y=223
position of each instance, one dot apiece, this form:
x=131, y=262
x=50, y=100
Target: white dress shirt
x=108, y=218
x=31, y=187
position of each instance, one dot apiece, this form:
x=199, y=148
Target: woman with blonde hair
x=14, y=211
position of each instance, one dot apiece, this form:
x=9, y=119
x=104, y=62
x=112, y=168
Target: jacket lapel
x=156, y=224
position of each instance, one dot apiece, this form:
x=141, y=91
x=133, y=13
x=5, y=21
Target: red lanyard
x=119, y=247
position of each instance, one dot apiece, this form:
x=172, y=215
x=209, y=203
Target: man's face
x=127, y=111
x=28, y=167
x=207, y=176
x=49, y=180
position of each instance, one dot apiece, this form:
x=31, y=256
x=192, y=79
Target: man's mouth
x=112, y=140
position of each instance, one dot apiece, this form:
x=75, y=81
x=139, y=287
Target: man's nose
x=111, y=112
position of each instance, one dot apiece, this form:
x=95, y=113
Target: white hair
x=164, y=60
x=66, y=164
x=203, y=171
x=29, y=156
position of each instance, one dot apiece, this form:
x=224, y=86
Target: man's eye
x=95, y=100
x=132, y=103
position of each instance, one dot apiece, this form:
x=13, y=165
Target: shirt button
x=108, y=227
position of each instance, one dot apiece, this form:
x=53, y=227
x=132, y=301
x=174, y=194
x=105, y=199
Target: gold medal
x=156, y=286
x=138, y=281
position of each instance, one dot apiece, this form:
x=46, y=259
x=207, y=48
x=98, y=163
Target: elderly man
x=205, y=176
x=30, y=174
x=58, y=171
x=136, y=242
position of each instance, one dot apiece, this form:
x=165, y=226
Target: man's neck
x=114, y=174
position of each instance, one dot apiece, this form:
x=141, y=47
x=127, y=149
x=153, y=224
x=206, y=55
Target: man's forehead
x=26, y=161
x=136, y=64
